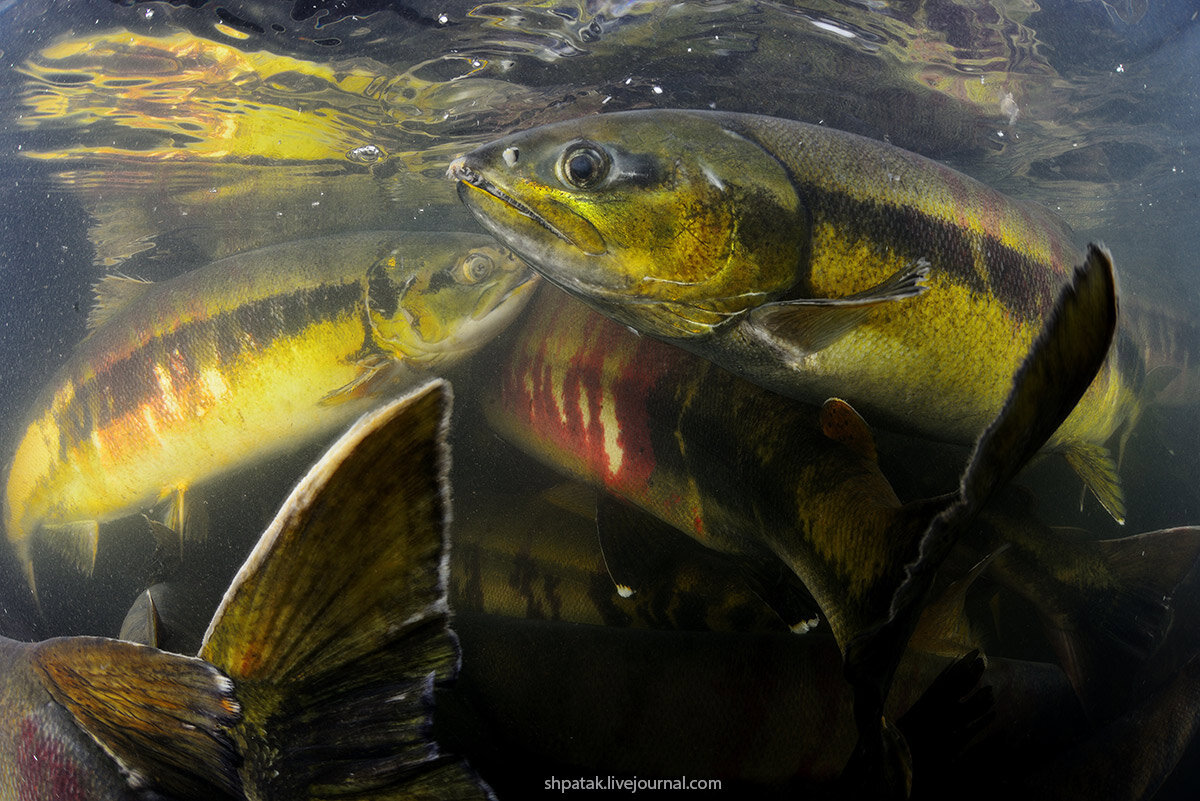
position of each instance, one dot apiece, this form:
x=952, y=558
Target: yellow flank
x=245, y=358
x=195, y=429
x=914, y=349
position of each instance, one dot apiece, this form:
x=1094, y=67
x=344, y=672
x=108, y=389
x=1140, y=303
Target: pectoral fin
x=375, y=373
x=1096, y=467
x=628, y=537
x=645, y=555
x=805, y=326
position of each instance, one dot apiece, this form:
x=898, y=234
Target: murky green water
x=149, y=139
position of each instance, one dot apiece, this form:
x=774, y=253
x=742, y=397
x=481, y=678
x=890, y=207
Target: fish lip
x=467, y=176
x=531, y=277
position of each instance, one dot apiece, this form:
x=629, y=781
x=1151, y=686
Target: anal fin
x=185, y=513
x=142, y=623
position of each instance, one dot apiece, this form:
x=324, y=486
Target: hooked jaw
x=469, y=178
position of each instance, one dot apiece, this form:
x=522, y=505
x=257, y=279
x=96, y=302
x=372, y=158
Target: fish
x=743, y=470
x=180, y=381
x=316, y=674
x=529, y=558
x=814, y=262
x=739, y=469
x=656, y=426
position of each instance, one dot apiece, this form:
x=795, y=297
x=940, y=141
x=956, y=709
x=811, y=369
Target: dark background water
x=1106, y=130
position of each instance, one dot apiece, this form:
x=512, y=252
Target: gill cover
x=419, y=311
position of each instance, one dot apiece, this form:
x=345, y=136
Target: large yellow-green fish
x=815, y=262
x=316, y=676
x=181, y=380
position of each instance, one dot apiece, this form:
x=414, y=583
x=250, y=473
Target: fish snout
x=459, y=170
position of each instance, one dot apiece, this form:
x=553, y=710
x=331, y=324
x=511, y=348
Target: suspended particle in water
x=1008, y=107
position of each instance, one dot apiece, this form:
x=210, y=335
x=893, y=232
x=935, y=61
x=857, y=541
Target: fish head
x=434, y=306
x=667, y=221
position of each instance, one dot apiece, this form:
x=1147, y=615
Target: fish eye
x=583, y=165
x=474, y=268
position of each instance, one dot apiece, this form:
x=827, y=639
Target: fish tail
x=1061, y=364
x=1106, y=623
x=335, y=632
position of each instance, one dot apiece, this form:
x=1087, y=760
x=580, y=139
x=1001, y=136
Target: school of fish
x=755, y=516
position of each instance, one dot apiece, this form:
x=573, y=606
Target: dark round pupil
x=582, y=168
x=479, y=268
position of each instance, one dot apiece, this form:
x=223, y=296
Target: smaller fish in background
x=316, y=675
x=539, y=558
x=181, y=381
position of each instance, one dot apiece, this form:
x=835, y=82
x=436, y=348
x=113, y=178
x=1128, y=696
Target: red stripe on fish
x=44, y=767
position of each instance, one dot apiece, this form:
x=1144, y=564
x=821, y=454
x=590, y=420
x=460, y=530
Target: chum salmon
x=251, y=356
x=315, y=678
x=725, y=462
x=814, y=262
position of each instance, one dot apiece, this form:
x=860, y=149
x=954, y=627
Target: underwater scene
x=536, y=399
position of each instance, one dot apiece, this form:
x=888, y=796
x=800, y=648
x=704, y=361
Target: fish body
x=315, y=676
x=721, y=459
x=182, y=380
x=774, y=247
x=657, y=426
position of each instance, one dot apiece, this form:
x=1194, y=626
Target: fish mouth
x=469, y=177
x=570, y=228
x=513, y=295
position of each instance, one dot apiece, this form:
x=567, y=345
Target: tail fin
x=1061, y=364
x=1106, y=604
x=335, y=630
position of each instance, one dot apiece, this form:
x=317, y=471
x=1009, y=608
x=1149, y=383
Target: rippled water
x=150, y=138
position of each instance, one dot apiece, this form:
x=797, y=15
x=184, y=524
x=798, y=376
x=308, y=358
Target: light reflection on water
x=152, y=139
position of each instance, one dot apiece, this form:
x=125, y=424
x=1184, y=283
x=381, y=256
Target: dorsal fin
x=113, y=293
x=841, y=423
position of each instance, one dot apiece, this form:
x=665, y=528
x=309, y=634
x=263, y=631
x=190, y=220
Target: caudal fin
x=1061, y=364
x=335, y=630
x=1105, y=604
